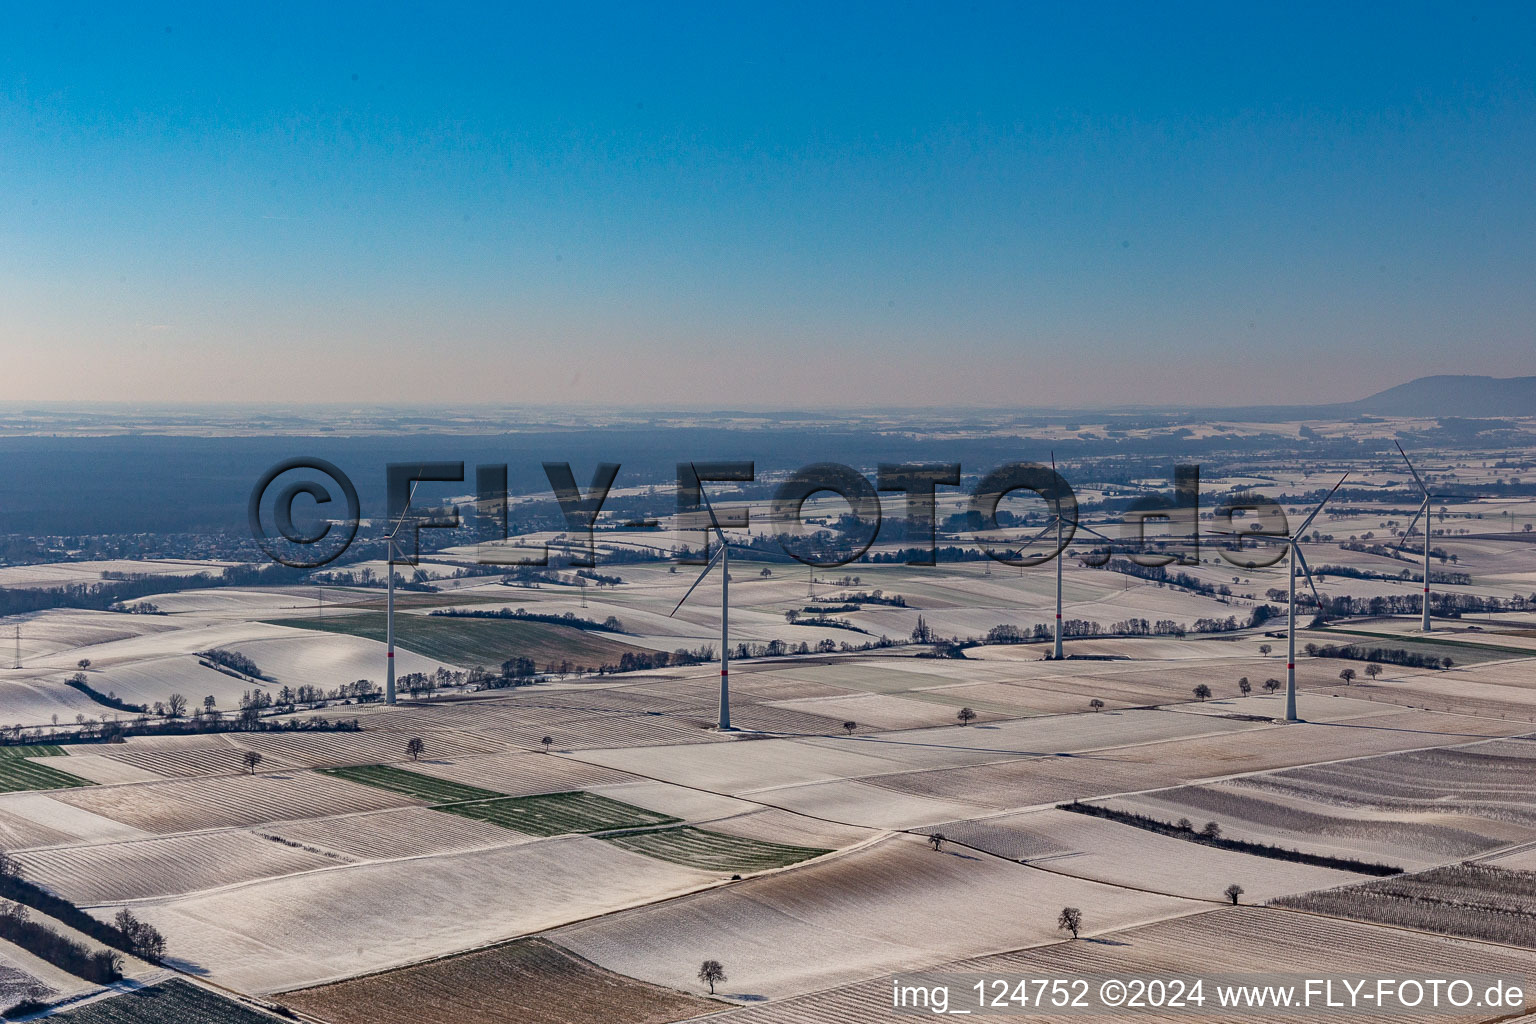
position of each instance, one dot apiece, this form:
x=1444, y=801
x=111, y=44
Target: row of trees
x=1160, y=574
x=862, y=598
x=1210, y=835
x=1406, y=575
x=254, y=703
x=1376, y=655
x=819, y=617
x=127, y=933
x=611, y=624
x=419, y=580
x=1440, y=603
x=233, y=660
x=109, y=729
x=101, y=967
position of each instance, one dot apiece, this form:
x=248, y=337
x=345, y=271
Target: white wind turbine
x=1058, y=523
x=389, y=605
x=1423, y=511
x=723, y=559
x=1297, y=558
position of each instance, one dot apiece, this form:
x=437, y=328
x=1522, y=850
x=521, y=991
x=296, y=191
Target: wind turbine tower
x=1061, y=556
x=1423, y=511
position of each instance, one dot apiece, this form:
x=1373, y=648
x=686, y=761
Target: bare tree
x=9, y=868
x=175, y=705
x=145, y=939
x=1232, y=892
x=1096, y=704
x=250, y=759
x=1211, y=830
x=1264, y=649
x=1348, y=675
x=1271, y=685
x=1244, y=686
x=711, y=972
x=936, y=840
x=1373, y=670
x=547, y=741
x=1070, y=920
x=83, y=664
x=966, y=716
x=1202, y=691
x=414, y=748
x=848, y=727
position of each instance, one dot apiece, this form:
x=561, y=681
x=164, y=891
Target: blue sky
x=732, y=205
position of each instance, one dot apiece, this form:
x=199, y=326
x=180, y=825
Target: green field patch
x=712, y=851
x=1462, y=652
x=18, y=774
x=469, y=642
x=556, y=814
x=413, y=784
x=552, y=814
x=32, y=750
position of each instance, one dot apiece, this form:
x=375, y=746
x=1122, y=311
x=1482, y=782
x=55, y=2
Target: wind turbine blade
x=1302, y=560
x=1308, y=521
x=1088, y=529
x=708, y=566
x=410, y=495
x=708, y=507
x=1023, y=547
x=1414, y=522
x=1415, y=472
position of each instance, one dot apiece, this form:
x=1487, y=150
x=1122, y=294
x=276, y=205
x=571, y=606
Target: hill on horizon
x=1465, y=396
x=1453, y=395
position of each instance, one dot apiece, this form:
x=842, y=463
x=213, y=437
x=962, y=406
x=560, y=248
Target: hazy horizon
x=590, y=412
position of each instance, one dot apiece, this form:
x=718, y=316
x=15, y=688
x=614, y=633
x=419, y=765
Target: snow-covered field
x=302, y=930
x=144, y=667
x=868, y=912
x=1106, y=851
x=290, y=876
x=61, y=574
